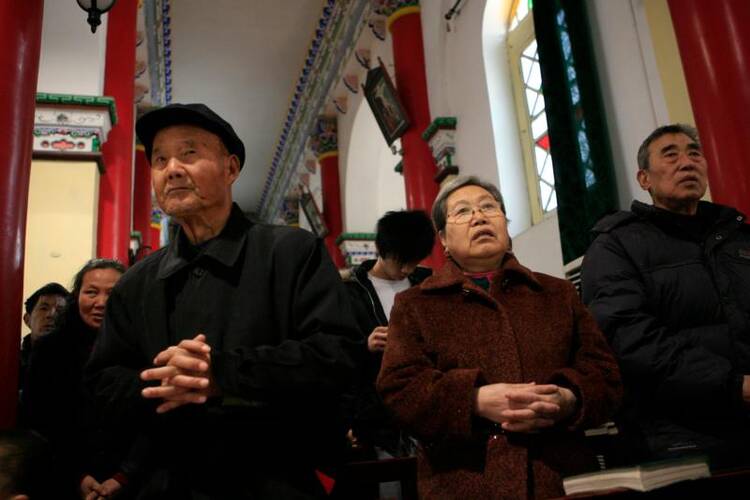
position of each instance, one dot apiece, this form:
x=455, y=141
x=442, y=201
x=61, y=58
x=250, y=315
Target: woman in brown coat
x=492, y=366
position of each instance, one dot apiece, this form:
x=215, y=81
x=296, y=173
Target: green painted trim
x=80, y=100
x=441, y=122
x=355, y=236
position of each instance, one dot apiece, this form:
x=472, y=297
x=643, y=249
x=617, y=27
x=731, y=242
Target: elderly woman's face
x=479, y=243
x=95, y=289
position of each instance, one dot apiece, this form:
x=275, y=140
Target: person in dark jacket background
x=403, y=239
x=41, y=312
x=669, y=284
x=88, y=456
x=231, y=348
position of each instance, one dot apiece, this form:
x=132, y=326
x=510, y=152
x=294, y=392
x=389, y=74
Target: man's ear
x=644, y=179
x=26, y=319
x=234, y=168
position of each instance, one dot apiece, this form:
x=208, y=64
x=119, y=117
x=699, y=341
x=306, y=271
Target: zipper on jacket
x=372, y=301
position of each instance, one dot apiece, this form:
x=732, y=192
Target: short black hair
x=405, y=235
x=48, y=289
x=25, y=464
x=674, y=128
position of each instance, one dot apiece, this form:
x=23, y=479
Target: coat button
x=198, y=271
x=719, y=237
x=739, y=218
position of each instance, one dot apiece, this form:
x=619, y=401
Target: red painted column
x=405, y=26
x=115, y=187
x=20, y=38
x=714, y=44
x=329, y=174
x=142, y=203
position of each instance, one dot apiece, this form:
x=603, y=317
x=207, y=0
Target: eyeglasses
x=463, y=214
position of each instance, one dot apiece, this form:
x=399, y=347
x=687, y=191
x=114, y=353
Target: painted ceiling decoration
x=338, y=30
x=341, y=104
x=153, y=85
x=387, y=7
x=351, y=81
x=363, y=57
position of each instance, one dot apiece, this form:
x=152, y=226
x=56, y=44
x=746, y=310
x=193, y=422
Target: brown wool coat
x=448, y=336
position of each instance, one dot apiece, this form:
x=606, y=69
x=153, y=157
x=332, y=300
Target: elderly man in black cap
x=230, y=348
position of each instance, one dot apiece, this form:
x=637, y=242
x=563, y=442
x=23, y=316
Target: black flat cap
x=199, y=115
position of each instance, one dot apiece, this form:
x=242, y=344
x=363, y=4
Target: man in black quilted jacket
x=669, y=284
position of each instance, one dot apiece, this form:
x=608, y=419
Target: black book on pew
x=642, y=477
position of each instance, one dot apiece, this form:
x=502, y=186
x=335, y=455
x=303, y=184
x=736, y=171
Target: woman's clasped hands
x=527, y=407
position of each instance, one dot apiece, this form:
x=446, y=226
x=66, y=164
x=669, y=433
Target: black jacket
x=284, y=348
x=58, y=406
x=367, y=307
x=673, y=298
x=370, y=421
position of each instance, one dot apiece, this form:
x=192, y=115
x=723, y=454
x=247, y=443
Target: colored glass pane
x=526, y=64
x=543, y=142
x=530, y=50
x=551, y=203
x=535, y=78
x=541, y=159
x=545, y=192
x=539, y=106
x=539, y=126
x=531, y=98
x=548, y=173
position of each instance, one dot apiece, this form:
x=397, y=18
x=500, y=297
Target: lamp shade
x=101, y=5
x=95, y=9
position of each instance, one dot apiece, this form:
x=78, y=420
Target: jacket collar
x=224, y=248
x=360, y=273
x=712, y=216
x=450, y=275
x=719, y=213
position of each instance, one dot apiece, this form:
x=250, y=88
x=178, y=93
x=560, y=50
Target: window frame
x=518, y=40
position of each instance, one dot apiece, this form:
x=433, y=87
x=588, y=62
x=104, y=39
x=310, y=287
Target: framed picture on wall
x=312, y=213
x=384, y=102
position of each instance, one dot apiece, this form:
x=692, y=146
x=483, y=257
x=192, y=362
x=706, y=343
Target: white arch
x=371, y=186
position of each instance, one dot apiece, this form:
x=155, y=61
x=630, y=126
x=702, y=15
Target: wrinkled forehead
x=468, y=195
x=184, y=134
x=673, y=141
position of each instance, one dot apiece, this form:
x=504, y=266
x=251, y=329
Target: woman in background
x=490, y=365
x=59, y=407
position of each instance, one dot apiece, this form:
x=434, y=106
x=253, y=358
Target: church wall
x=60, y=223
x=72, y=58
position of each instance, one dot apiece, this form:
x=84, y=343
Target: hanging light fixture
x=95, y=9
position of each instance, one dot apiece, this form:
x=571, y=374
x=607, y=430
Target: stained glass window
x=575, y=100
x=533, y=119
